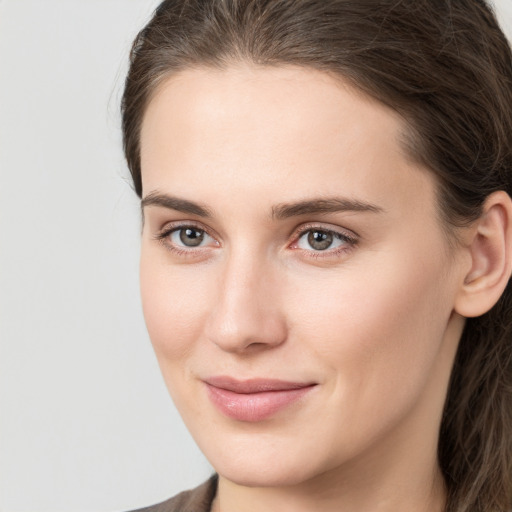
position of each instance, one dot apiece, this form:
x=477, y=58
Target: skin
x=372, y=320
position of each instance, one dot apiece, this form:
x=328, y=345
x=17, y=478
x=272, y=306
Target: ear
x=490, y=249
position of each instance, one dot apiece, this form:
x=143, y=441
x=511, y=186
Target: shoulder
x=196, y=500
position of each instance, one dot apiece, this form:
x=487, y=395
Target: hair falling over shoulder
x=446, y=67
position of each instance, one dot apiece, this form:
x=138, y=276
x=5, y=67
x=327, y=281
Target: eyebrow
x=175, y=203
x=279, y=212
x=327, y=205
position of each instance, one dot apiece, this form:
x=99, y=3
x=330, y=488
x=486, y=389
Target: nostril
x=255, y=346
x=247, y=334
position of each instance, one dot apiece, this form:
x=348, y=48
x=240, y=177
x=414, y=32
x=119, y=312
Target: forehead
x=288, y=102
x=268, y=129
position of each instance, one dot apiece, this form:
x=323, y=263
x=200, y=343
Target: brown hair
x=446, y=68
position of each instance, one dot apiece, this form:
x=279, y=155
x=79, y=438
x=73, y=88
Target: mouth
x=255, y=399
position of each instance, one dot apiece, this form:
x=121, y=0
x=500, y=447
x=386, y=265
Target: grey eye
x=188, y=237
x=320, y=240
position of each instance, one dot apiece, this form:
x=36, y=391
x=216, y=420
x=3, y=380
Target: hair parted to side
x=446, y=68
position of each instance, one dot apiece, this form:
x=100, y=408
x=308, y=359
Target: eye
x=188, y=236
x=185, y=238
x=323, y=240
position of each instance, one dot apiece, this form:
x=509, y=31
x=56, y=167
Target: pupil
x=191, y=237
x=320, y=240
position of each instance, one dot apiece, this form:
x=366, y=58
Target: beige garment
x=199, y=499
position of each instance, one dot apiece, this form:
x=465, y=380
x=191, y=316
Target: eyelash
x=163, y=236
x=349, y=239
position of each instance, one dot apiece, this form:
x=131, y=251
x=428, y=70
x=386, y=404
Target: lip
x=255, y=399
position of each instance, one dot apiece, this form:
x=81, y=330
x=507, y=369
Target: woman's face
x=297, y=284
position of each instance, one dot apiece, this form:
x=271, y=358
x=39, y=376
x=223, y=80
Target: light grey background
x=85, y=420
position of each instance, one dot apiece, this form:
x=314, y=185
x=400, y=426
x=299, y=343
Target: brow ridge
x=279, y=212
x=156, y=198
x=324, y=205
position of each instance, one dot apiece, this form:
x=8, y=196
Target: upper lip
x=254, y=385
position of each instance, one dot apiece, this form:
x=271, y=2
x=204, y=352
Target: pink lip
x=256, y=399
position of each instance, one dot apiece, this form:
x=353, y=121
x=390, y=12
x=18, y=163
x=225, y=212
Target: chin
x=269, y=476
x=266, y=468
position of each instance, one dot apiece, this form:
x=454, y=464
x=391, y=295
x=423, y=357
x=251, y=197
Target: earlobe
x=490, y=248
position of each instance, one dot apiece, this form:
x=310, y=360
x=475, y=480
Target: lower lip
x=254, y=407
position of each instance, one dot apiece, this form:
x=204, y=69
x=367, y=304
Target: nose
x=247, y=315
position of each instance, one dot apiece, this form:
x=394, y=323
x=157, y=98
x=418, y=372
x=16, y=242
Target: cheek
x=173, y=302
x=378, y=329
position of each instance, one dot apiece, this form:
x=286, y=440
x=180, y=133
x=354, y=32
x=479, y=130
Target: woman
x=327, y=247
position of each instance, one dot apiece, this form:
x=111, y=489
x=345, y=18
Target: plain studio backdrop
x=86, y=424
